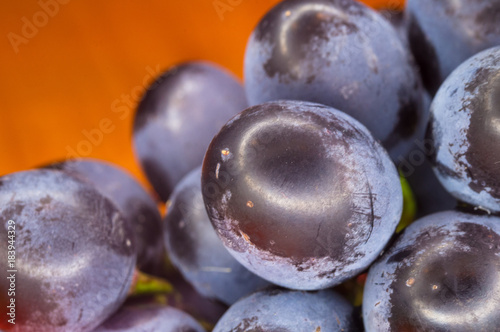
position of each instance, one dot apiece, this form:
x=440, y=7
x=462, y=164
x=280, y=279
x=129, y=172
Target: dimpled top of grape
x=445, y=33
x=300, y=193
x=342, y=54
x=75, y=254
x=150, y=318
x=465, y=128
x=442, y=274
x=288, y=311
x=178, y=115
x=137, y=206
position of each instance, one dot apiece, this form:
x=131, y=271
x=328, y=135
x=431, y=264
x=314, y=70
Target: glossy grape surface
x=289, y=311
x=152, y=318
x=300, y=193
x=177, y=118
x=442, y=274
x=197, y=251
x=342, y=54
x=75, y=254
x=445, y=33
x=137, y=206
x=464, y=127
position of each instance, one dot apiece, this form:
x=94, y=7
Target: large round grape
x=74, y=253
x=342, y=54
x=197, y=251
x=445, y=33
x=178, y=116
x=442, y=274
x=300, y=193
x=150, y=318
x=464, y=126
x=287, y=311
x=136, y=205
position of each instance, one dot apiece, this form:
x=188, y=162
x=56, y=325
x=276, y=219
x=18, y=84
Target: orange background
x=65, y=77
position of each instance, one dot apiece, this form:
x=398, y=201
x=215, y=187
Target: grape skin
x=342, y=54
x=150, y=318
x=196, y=250
x=445, y=33
x=135, y=203
x=75, y=254
x=178, y=116
x=440, y=275
x=463, y=121
x=288, y=311
x=300, y=193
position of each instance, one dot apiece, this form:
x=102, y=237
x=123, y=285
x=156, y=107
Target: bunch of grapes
x=290, y=200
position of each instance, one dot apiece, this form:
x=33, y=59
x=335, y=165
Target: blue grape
x=137, y=206
x=177, y=118
x=287, y=311
x=441, y=275
x=464, y=128
x=75, y=254
x=197, y=251
x=445, y=33
x=399, y=21
x=301, y=194
x=342, y=54
x=150, y=318
x=187, y=299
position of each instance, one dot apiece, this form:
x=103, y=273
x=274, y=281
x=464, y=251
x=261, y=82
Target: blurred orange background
x=68, y=65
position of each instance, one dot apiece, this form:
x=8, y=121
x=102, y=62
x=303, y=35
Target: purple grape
x=196, y=250
x=342, y=54
x=301, y=194
x=399, y=21
x=152, y=318
x=187, y=299
x=177, y=118
x=137, y=206
x=445, y=33
x=464, y=128
x=75, y=254
x=442, y=274
x=287, y=311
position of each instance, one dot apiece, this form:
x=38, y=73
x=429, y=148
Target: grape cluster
x=351, y=124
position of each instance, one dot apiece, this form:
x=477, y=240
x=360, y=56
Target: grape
x=151, y=318
x=399, y=21
x=445, y=33
x=300, y=193
x=187, y=299
x=197, y=251
x=464, y=128
x=74, y=257
x=177, y=118
x=342, y=54
x=286, y=311
x=136, y=204
x=441, y=275
x=430, y=195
